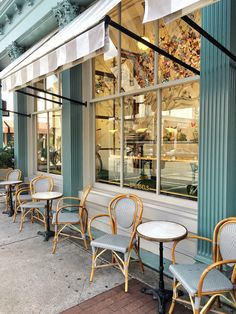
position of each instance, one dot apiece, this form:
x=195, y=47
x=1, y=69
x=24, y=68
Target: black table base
x=46, y=234
x=10, y=213
x=161, y=295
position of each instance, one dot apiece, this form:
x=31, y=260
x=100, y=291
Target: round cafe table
x=49, y=197
x=161, y=231
x=10, y=184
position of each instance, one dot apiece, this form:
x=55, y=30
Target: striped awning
x=171, y=9
x=83, y=38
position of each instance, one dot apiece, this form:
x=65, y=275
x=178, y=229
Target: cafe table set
x=161, y=231
x=42, y=196
x=156, y=231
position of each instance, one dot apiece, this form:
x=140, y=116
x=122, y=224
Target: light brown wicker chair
x=124, y=212
x=71, y=213
x=12, y=175
x=36, y=209
x=208, y=280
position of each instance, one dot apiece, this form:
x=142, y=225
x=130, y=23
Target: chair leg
x=15, y=212
x=55, y=240
x=126, y=277
x=93, y=264
x=22, y=219
x=85, y=242
x=197, y=304
x=172, y=306
x=139, y=258
x=126, y=270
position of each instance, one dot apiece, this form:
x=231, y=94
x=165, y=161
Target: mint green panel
x=217, y=148
x=20, y=133
x=1, y=122
x=72, y=132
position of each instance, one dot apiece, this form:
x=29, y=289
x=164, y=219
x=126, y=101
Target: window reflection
x=182, y=41
x=140, y=129
x=137, y=60
x=179, y=149
x=108, y=142
x=42, y=137
x=55, y=120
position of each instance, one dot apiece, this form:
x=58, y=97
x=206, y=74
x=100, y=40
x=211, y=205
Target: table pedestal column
x=48, y=233
x=161, y=295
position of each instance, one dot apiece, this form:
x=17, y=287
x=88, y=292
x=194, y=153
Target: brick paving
x=117, y=301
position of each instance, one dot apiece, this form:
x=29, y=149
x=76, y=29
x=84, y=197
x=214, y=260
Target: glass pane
x=140, y=149
x=179, y=149
x=108, y=142
x=52, y=86
x=181, y=41
x=105, y=71
x=137, y=60
x=40, y=103
x=42, y=142
x=55, y=120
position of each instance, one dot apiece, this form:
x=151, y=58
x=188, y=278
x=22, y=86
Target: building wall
x=217, y=146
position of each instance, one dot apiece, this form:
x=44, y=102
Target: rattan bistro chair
x=71, y=213
x=12, y=175
x=22, y=195
x=209, y=280
x=36, y=209
x=124, y=213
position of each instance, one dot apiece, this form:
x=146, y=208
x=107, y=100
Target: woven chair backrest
x=227, y=240
x=14, y=175
x=126, y=210
x=85, y=195
x=41, y=184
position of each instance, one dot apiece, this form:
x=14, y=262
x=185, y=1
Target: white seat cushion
x=115, y=242
x=24, y=197
x=33, y=205
x=66, y=217
x=189, y=275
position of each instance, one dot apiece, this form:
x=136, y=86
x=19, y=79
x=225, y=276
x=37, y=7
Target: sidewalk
x=35, y=281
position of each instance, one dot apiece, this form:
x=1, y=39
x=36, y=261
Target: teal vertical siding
x=20, y=133
x=1, y=122
x=217, y=148
x=72, y=132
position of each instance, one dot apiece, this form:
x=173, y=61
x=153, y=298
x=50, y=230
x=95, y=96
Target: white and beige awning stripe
x=172, y=9
x=77, y=42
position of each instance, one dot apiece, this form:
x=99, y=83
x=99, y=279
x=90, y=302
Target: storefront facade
x=150, y=126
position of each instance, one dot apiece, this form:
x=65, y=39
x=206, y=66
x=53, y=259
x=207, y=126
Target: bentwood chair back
x=41, y=184
x=34, y=208
x=13, y=175
x=125, y=213
x=71, y=213
x=202, y=280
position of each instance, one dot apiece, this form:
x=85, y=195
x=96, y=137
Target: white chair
x=36, y=209
x=124, y=212
x=209, y=280
x=71, y=212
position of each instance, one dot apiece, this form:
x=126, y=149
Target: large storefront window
x=147, y=132
x=48, y=127
x=179, y=145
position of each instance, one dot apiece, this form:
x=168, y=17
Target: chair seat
x=189, y=275
x=23, y=197
x=66, y=217
x=115, y=242
x=33, y=205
